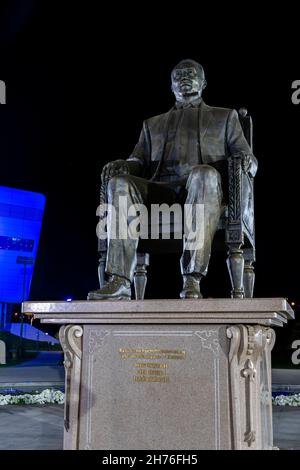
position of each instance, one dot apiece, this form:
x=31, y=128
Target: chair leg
x=140, y=275
x=101, y=269
x=249, y=278
x=235, y=264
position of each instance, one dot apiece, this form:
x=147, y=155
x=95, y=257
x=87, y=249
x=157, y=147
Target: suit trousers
x=201, y=187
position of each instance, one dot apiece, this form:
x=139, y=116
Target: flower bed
x=48, y=396
x=286, y=400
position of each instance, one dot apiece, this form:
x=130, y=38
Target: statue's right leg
x=123, y=191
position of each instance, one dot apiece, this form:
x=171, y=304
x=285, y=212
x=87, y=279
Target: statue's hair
x=190, y=63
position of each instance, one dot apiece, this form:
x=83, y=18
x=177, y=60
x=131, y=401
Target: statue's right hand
x=117, y=167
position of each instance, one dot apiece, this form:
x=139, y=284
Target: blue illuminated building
x=21, y=216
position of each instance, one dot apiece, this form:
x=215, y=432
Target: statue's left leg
x=204, y=204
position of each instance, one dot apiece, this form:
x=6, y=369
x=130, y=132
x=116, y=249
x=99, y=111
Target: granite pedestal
x=167, y=374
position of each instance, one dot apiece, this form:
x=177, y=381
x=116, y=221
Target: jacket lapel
x=163, y=143
x=205, y=117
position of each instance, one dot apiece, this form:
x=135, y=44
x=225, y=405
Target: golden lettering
x=151, y=351
x=173, y=356
x=139, y=378
x=152, y=365
x=139, y=356
x=162, y=355
x=151, y=372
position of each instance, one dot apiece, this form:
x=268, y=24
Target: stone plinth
x=167, y=374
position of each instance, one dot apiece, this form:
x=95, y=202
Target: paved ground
x=286, y=426
x=41, y=427
x=286, y=376
x=43, y=371
x=44, y=358
x=26, y=376
x=31, y=427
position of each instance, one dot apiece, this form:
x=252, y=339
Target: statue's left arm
x=237, y=143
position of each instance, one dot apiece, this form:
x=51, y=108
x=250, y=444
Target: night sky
x=80, y=82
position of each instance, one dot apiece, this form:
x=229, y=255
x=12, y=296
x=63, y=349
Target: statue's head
x=188, y=80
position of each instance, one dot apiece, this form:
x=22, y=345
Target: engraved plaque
x=154, y=387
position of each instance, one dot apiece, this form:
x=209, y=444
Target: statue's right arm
x=139, y=160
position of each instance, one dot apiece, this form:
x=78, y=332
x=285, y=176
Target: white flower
x=42, y=398
x=284, y=400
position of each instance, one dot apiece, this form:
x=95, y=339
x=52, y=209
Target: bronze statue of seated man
x=181, y=156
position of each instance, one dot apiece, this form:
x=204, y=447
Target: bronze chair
x=237, y=222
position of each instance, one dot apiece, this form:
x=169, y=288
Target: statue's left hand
x=248, y=162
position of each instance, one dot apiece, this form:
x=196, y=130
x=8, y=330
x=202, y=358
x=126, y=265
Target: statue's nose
x=185, y=76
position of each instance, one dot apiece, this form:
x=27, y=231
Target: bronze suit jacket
x=220, y=136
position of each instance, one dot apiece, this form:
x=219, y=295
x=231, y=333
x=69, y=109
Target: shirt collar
x=194, y=104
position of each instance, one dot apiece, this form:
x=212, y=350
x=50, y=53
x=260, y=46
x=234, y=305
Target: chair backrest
x=247, y=125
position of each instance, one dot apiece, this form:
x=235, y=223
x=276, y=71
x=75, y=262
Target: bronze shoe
x=191, y=287
x=117, y=288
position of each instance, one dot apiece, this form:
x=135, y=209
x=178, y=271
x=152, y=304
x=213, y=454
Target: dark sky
x=80, y=82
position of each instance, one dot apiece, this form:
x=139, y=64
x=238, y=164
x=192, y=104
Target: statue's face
x=187, y=82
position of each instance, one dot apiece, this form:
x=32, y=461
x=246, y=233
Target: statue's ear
x=204, y=84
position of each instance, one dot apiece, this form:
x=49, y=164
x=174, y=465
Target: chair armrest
x=235, y=171
x=240, y=202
